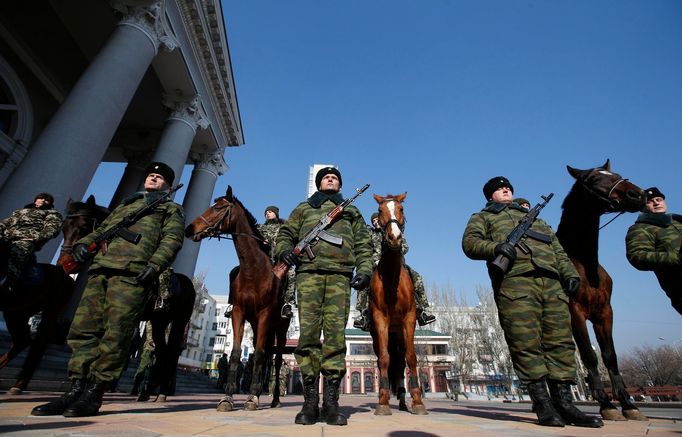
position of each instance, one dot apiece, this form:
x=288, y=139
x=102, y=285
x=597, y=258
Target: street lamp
x=674, y=346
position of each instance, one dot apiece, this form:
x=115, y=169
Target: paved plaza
x=195, y=415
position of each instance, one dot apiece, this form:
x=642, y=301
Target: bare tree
x=649, y=366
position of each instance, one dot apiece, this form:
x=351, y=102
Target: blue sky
x=435, y=97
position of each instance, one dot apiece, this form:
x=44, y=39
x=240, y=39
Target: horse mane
x=252, y=224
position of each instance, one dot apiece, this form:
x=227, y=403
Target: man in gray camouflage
x=376, y=237
x=323, y=285
x=119, y=281
x=26, y=231
x=654, y=243
x=269, y=230
x=532, y=302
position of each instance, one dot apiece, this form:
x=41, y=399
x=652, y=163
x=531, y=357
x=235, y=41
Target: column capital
x=187, y=110
x=149, y=17
x=212, y=162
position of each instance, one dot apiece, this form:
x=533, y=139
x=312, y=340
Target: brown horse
x=255, y=294
x=83, y=218
x=595, y=192
x=46, y=288
x=394, y=313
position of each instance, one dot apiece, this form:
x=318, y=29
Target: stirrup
x=228, y=311
x=159, y=304
x=425, y=318
x=286, y=312
x=361, y=323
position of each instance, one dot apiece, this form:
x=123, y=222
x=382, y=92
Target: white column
x=207, y=168
x=185, y=117
x=66, y=155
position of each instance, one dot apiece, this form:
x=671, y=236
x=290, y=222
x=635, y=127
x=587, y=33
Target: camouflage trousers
x=324, y=304
x=19, y=256
x=533, y=312
x=164, y=283
x=103, y=327
x=147, y=357
x=419, y=292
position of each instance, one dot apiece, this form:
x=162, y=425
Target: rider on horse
x=26, y=231
x=423, y=317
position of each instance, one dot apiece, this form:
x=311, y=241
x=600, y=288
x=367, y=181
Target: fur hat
x=654, y=192
x=272, y=208
x=46, y=196
x=162, y=169
x=324, y=172
x=493, y=184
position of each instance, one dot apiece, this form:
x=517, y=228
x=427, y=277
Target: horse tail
x=396, y=367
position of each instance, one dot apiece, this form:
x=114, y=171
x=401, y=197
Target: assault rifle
x=318, y=233
x=501, y=262
x=120, y=229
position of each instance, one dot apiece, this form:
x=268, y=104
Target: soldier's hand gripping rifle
x=501, y=262
x=318, y=233
x=120, y=229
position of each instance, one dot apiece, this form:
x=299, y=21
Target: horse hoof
x=382, y=410
x=251, y=403
x=225, y=404
x=160, y=398
x=275, y=404
x=612, y=415
x=634, y=414
x=14, y=391
x=143, y=398
x=419, y=410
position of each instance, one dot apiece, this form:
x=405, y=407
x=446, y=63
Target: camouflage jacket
x=490, y=227
x=32, y=224
x=376, y=237
x=162, y=236
x=653, y=242
x=353, y=254
x=269, y=231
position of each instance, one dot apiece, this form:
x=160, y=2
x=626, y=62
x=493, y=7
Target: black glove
x=289, y=258
x=360, y=281
x=571, y=286
x=80, y=253
x=147, y=277
x=507, y=250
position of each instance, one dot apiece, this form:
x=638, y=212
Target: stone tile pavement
x=195, y=415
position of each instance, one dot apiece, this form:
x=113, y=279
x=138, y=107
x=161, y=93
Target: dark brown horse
x=46, y=288
x=255, y=294
x=80, y=220
x=394, y=313
x=595, y=192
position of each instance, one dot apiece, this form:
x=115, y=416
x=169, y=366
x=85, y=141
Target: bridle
x=214, y=230
x=68, y=248
x=386, y=225
x=611, y=204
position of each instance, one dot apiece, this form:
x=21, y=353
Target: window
x=211, y=342
x=215, y=326
x=217, y=312
x=369, y=380
x=361, y=349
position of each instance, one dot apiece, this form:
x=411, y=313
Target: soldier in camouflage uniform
x=118, y=287
x=532, y=302
x=147, y=358
x=323, y=285
x=269, y=231
x=376, y=237
x=654, y=243
x=26, y=231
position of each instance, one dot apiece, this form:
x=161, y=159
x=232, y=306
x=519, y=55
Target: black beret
x=324, y=172
x=654, y=192
x=493, y=184
x=274, y=209
x=162, y=169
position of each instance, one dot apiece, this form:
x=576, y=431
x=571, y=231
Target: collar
x=496, y=207
x=318, y=198
x=660, y=220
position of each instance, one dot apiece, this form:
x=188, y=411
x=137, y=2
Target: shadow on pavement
x=42, y=426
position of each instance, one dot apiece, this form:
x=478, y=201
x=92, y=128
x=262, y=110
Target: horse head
x=608, y=190
x=81, y=219
x=216, y=220
x=391, y=218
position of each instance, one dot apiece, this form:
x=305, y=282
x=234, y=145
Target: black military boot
x=311, y=400
x=562, y=398
x=362, y=321
x=542, y=405
x=286, y=312
x=89, y=402
x=330, y=403
x=58, y=406
x=424, y=318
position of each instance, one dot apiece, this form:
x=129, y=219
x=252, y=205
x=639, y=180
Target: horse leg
x=263, y=337
x=173, y=350
x=589, y=359
x=232, y=385
x=603, y=332
x=411, y=360
x=381, y=350
x=17, y=325
x=36, y=350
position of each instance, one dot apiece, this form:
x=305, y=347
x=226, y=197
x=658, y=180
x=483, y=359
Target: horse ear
x=607, y=165
x=69, y=203
x=574, y=171
x=401, y=197
x=378, y=198
x=91, y=201
x=228, y=193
